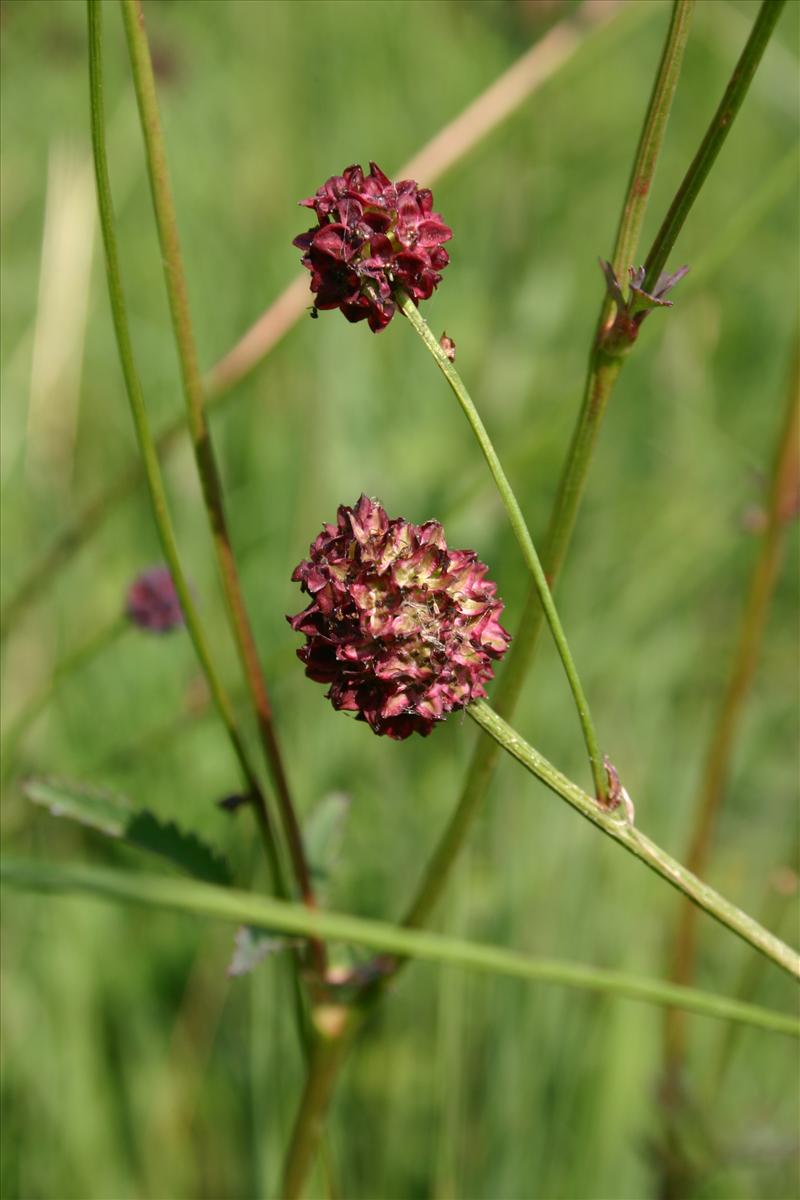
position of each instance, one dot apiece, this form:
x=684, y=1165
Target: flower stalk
x=636, y=843
x=342, y=1023
x=208, y=471
x=517, y=521
x=155, y=482
x=602, y=374
x=334, y=1028
x=712, y=143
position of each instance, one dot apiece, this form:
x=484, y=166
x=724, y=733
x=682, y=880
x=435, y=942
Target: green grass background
x=131, y=1066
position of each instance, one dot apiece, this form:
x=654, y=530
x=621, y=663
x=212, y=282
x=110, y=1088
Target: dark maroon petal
x=333, y=241
x=432, y=233
x=357, y=310
x=350, y=211
x=377, y=174
x=375, y=221
x=304, y=240
x=380, y=250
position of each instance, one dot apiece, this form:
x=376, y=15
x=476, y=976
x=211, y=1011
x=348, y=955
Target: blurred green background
x=132, y=1067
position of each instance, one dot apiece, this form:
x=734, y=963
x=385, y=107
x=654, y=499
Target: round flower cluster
x=401, y=628
x=152, y=602
x=372, y=236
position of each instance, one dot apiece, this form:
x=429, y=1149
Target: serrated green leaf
x=184, y=850
x=114, y=815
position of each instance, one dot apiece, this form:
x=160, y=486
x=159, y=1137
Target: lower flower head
x=402, y=629
x=152, y=602
x=371, y=236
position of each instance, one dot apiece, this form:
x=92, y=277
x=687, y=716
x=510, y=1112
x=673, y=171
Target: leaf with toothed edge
x=113, y=815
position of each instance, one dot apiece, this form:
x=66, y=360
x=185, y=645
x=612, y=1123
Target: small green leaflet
x=116, y=817
x=323, y=832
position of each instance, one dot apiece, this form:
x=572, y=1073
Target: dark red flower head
x=152, y=602
x=372, y=236
x=401, y=628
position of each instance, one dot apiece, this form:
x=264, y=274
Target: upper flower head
x=152, y=602
x=403, y=629
x=371, y=236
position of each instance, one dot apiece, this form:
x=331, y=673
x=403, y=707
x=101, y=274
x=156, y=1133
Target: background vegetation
x=132, y=1067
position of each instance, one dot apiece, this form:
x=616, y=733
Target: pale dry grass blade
x=60, y=325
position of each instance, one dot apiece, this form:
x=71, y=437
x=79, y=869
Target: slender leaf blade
x=231, y=905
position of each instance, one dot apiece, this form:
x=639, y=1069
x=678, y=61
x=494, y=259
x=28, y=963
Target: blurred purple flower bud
x=152, y=603
x=402, y=629
x=372, y=235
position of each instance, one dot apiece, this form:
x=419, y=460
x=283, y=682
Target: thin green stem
x=77, y=658
x=334, y=1029
x=205, y=900
x=155, y=483
x=144, y=83
x=602, y=373
x=780, y=899
x=713, y=141
x=649, y=147
x=623, y=831
x=783, y=495
x=421, y=327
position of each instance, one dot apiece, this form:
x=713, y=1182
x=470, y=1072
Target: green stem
x=237, y=907
x=781, y=898
x=100, y=640
x=624, y=832
x=414, y=317
x=334, y=1029
x=147, y=448
x=144, y=82
x=603, y=371
x=714, y=139
x=783, y=491
x=649, y=147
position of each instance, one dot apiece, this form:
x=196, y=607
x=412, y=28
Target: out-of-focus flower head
x=402, y=629
x=372, y=236
x=152, y=603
